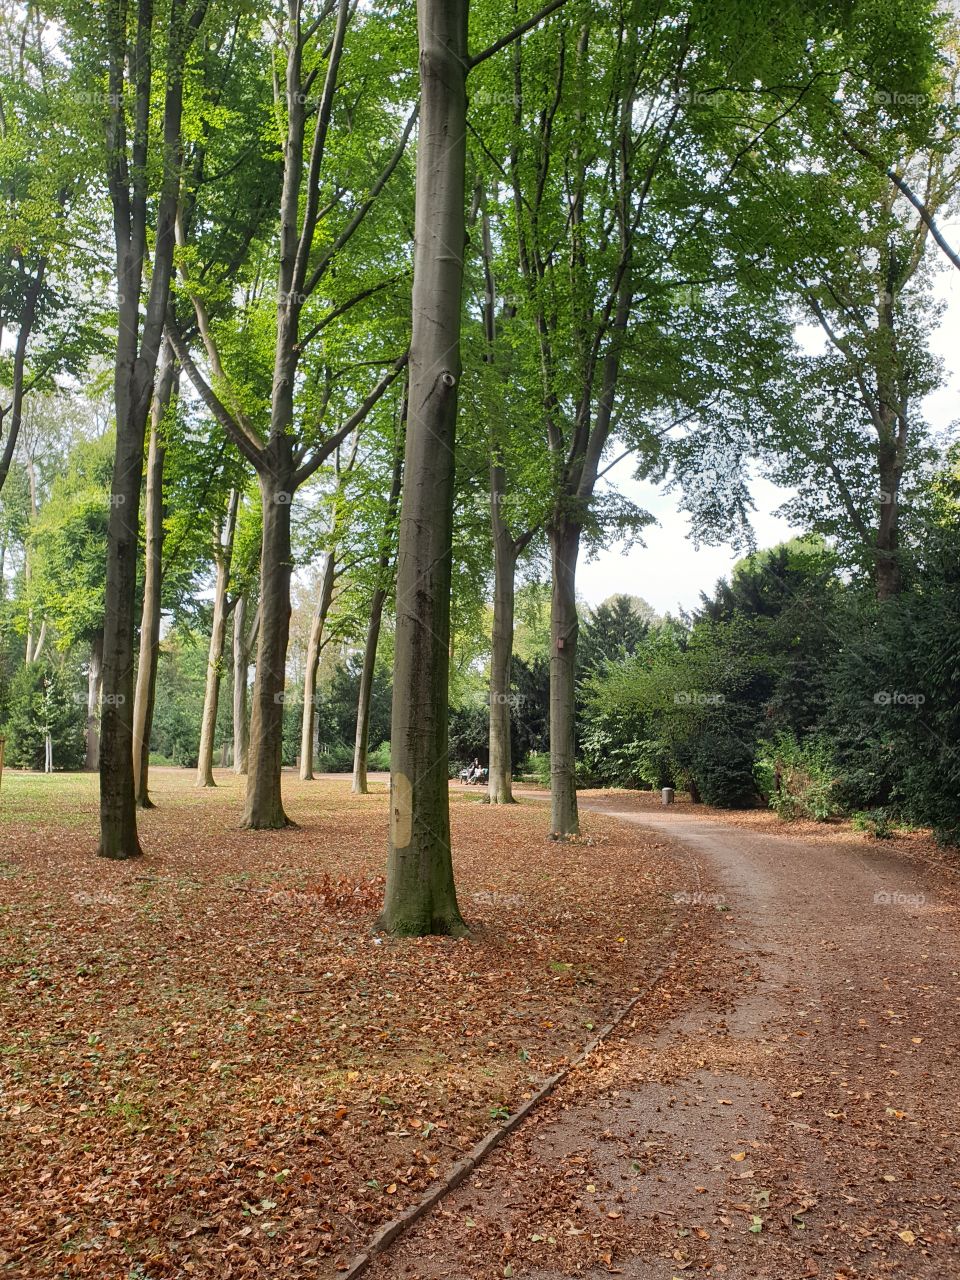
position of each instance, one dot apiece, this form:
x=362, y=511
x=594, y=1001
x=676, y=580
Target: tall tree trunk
x=218, y=632
x=564, y=550
x=367, y=671
x=887, y=560
x=362, y=742
x=146, y=688
x=505, y=566
x=139, y=338
x=29, y=654
x=420, y=897
x=241, y=668
x=94, y=676
x=263, y=808
x=324, y=597
x=118, y=813
x=891, y=418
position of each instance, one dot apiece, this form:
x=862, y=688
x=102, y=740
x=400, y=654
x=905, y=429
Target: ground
x=212, y=1068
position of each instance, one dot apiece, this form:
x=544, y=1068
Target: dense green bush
x=797, y=779
x=336, y=758
x=39, y=704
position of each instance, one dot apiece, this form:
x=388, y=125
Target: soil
x=785, y=1105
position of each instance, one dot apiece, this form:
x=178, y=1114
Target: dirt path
x=797, y=1113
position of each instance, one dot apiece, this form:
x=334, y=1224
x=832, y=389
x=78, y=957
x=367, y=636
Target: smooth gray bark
x=263, y=803
x=314, y=643
x=564, y=627
x=420, y=897
x=500, y=789
x=362, y=740
x=218, y=634
x=94, y=678
x=138, y=349
x=146, y=686
x=242, y=645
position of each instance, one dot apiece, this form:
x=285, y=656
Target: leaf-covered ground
x=796, y=1114
x=211, y=1067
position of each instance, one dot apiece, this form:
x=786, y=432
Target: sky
x=669, y=572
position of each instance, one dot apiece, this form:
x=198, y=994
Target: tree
x=286, y=442
x=48, y=259
x=124, y=48
x=378, y=599
x=420, y=896
x=44, y=728
x=164, y=395
x=66, y=588
x=223, y=532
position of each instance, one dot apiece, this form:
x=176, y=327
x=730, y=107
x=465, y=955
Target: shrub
x=876, y=822
x=336, y=757
x=796, y=778
x=40, y=704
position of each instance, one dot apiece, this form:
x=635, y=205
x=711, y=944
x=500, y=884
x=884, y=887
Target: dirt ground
x=786, y=1105
x=210, y=1066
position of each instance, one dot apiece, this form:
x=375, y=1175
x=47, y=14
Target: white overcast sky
x=669, y=572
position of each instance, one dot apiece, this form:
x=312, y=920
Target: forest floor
x=797, y=1114
x=209, y=1065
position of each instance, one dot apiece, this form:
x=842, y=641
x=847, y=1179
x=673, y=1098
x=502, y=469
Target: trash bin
x=666, y=795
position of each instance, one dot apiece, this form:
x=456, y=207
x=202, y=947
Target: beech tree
x=49, y=257
x=164, y=394
x=312, y=406
x=224, y=531
x=123, y=50
x=334, y=512
x=420, y=897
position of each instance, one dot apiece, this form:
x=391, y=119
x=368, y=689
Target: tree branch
x=308, y=468
x=244, y=439
x=516, y=33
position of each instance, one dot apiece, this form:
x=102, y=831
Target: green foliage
x=40, y=703
x=181, y=675
x=797, y=778
x=875, y=822
x=69, y=545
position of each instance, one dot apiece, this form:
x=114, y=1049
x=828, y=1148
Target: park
x=479, y=640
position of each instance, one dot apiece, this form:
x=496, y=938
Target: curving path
x=796, y=1113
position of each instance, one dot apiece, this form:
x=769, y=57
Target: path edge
x=459, y=1172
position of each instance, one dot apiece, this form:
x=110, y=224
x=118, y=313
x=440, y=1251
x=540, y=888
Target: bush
x=876, y=822
x=378, y=760
x=40, y=704
x=336, y=757
x=721, y=769
x=797, y=779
